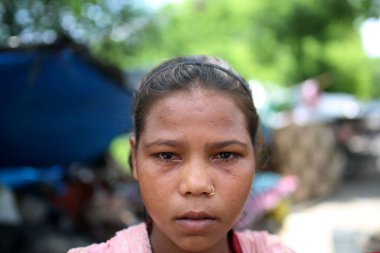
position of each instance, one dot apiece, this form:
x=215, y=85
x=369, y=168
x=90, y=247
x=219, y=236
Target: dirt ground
x=342, y=223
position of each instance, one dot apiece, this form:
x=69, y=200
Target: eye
x=167, y=156
x=227, y=156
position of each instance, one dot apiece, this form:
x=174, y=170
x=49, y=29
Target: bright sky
x=158, y=3
x=371, y=37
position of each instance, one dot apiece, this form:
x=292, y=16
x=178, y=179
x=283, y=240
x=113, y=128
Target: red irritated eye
x=226, y=156
x=167, y=156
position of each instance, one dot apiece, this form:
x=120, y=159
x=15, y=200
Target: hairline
x=193, y=85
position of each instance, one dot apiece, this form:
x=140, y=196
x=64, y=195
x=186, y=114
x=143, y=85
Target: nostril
x=187, y=188
x=195, y=178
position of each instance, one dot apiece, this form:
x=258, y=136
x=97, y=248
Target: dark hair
x=185, y=73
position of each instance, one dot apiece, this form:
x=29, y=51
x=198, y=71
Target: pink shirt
x=135, y=240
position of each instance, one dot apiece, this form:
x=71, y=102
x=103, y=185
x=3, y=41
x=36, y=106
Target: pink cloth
x=261, y=242
x=132, y=240
x=135, y=240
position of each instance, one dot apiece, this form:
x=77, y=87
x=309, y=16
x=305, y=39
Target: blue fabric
x=26, y=176
x=57, y=108
x=265, y=181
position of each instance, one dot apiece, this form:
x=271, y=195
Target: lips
x=194, y=223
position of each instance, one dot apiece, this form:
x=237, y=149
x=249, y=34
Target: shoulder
x=133, y=239
x=261, y=242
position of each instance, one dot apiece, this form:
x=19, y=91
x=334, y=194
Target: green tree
x=277, y=41
x=111, y=28
x=283, y=42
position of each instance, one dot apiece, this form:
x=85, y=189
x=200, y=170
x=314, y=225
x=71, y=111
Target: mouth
x=195, y=222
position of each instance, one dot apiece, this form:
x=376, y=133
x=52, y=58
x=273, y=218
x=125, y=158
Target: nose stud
x=212, y=192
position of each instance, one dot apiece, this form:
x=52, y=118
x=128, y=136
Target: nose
x=195, y=178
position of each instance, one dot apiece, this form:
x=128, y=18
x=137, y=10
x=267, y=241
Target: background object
x=58, y=105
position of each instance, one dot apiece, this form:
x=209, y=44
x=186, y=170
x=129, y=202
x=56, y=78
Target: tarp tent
x=57, y=106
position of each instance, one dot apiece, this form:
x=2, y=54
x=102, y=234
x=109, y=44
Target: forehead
x=196, y=111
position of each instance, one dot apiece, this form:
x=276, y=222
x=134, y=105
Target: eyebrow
x=168, y=143
x=173, y=143
x=223, y=144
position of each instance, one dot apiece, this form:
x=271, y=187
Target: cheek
x=237, y=188
x=154, y=188
x=148, y=185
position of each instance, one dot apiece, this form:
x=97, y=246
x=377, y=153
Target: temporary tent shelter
x=58, y=105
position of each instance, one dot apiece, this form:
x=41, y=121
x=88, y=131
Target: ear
x=132, y=142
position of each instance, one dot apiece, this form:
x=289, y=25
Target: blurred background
x=68, y=70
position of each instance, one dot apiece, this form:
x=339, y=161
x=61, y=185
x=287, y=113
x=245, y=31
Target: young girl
x=194, y=153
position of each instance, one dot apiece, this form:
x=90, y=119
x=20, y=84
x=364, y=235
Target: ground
x=342, y=223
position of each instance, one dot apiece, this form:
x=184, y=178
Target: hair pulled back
x=185, y=73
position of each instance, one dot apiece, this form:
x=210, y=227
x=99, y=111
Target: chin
x=196, y=244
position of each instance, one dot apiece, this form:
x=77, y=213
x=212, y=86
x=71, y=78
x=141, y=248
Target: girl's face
x=193, y=143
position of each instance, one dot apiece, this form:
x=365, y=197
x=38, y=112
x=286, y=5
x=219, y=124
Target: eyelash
x=161, y=157
x=232, y=156
x=219, y=156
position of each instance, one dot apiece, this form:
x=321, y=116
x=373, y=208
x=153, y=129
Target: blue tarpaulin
x=57, y=107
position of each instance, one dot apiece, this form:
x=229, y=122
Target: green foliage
x=120, y=150
x=111, y=28
x=284, y=42
x=278, y=41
